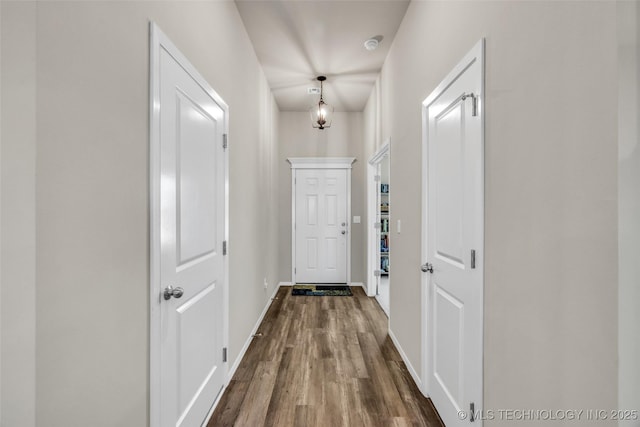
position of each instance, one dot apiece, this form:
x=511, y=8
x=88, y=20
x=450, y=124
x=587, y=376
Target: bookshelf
x=384, y=228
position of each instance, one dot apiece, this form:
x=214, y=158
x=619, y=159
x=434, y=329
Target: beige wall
x=551, y=192
x=90, y=208
x=551, y=303
x=1, y=287
x=18, y=275
x=372, y=122
x=629, y=205
x=343, y=139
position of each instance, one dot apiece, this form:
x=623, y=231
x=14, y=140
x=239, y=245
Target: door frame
x=372, y=189
x=159, y=41
x=319, y=163
x=476, y=54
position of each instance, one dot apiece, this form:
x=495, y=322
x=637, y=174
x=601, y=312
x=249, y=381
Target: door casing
x=157, y=41
x=373, y=244
x=475, y=54
x=319, y=163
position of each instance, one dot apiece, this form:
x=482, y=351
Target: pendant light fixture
x=322, y=113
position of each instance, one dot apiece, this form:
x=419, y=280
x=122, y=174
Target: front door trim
x=319, y=163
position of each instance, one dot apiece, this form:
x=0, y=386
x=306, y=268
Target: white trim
x=405, y=359
x=373, y=258
x=245, y=347
x=371, y=232
x=348, y=221
x=215, y=405
x=157, y=41
x=379, y=155
x=243, y=351
x=154, y=224
x=475, y=54
x=360, y=284
x=319, y=163
x=293, y=224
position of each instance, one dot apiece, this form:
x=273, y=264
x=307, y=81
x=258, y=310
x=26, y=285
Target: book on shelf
x=384, y=243
x=384, y=264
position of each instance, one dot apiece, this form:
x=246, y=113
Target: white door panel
x=454, y=230
x=448, y=325
x=191, y=233
x=197, y=213
x=447, y=149
x=320, y=220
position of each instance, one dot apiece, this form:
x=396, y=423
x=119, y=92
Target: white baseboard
x=405, y=359
x=236, y=364
x=370, y=290
x=215, y=404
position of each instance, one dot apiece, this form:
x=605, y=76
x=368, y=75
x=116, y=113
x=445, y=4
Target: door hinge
x=225, y=141
x=377, y=178
x=472, y=409
x=474, y=102
x=377, y=224
x=376, y=273
x=295, y=270
x=224, y=354
x=224, y=247
x=473, y=258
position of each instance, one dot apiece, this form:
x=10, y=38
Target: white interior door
x=321, y=226
x=192, y=123
x=454, y=242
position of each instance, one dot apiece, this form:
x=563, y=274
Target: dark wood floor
x=326, y=362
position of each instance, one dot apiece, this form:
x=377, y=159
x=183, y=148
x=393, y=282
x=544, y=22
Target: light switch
x=356, y=219
x=398, y=228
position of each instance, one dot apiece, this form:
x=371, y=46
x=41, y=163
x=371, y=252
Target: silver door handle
x=170, y=291
x=427, y=267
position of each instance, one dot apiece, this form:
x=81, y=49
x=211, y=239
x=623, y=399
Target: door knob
x=343, y=232
x=170, y=291
x=427, y=267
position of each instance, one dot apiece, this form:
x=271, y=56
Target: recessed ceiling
x=297, y=40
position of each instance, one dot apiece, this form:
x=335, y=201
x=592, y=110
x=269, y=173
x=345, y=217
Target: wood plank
x=323, y=361
x=230, y=403
x=259, y=394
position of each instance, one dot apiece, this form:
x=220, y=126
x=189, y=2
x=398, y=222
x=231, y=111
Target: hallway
x=323, y=361
x=80, y=291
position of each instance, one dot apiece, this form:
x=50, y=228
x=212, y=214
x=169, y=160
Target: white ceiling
x=297, y=40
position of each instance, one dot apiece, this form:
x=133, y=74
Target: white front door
x=454, y=242
x=192, y=122
x=321, y=226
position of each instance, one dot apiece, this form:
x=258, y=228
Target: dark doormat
x=322, y=290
